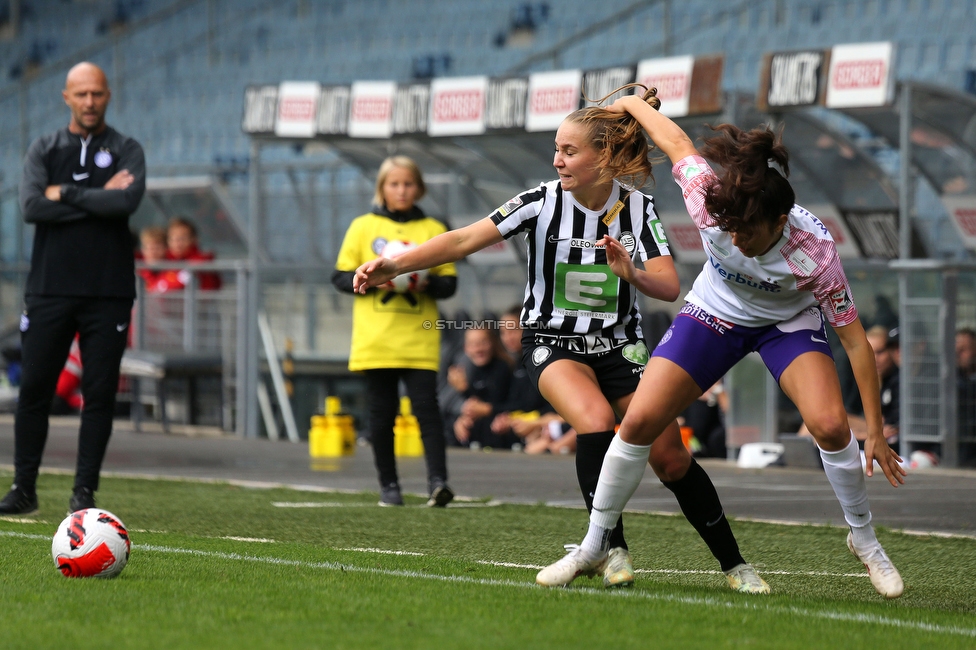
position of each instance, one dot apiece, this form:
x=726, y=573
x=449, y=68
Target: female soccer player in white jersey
x=771, y=277
x=582, y=343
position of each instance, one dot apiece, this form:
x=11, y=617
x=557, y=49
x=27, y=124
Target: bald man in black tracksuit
x=80, y=185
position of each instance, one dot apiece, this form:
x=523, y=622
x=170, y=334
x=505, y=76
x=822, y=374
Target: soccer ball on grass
x=91, y=543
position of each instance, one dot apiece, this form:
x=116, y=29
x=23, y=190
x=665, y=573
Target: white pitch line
x=685, y=600
x=755, y=605
x=22, y=520
x=319, y=504
x=381, y=551
x=536, y=567
x=259, y=540
x=336, y=504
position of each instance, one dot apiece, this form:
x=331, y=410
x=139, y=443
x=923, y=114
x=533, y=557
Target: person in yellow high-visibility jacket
x=394, y=335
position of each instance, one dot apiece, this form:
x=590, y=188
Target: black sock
x=590, y=450
x=700, y=504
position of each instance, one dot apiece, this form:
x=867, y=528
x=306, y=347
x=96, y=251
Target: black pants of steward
x=383, y=403
x=47, y=328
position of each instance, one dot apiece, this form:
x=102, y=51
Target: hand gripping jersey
x=570, y=286
x=801, y=270
x=388, y=328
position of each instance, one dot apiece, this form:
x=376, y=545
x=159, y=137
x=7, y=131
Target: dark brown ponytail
x=751, y=191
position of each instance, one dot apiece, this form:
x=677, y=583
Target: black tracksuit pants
x=383, y=403
x=47, y=328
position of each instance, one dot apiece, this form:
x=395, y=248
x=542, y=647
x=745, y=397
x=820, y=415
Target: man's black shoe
x=81, y=498
x=18, y=502
x=390, y=495
x=440, y=495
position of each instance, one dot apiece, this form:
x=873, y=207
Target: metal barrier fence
x=191, y=326
x=931, y=301
x=938, y=397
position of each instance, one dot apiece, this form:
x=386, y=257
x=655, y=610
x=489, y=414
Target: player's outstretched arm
x=446, y=247
x=668, y=136
x=876, y=447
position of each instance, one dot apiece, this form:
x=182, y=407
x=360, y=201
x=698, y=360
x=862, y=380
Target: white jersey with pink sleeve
x=801, y=270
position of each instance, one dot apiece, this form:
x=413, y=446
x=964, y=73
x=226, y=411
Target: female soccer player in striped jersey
x=771, y=277
x=582, y=342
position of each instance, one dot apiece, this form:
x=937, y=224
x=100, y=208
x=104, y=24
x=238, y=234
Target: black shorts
x=618, y=364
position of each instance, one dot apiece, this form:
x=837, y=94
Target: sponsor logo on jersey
x=588, y=290
x=573, y=242
x=657, y=229
x=539, y=355
x=612, y=213
x=803, y=262
x=629, y=242
x=702, y=316
x=103, y=158
x=695, y=181
x=24, y=322
x=510, y=207
x=378, y=245
x=744, y=280
x=718, y=250
x=841, y=301
x=636, y=353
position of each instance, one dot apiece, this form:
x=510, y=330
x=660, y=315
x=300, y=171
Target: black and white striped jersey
x=570, y=286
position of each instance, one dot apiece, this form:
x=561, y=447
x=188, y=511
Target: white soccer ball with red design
x=91, y=543
x=414, y=281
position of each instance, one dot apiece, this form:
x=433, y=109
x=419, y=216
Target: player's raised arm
x=446, y=247
x=668, y=136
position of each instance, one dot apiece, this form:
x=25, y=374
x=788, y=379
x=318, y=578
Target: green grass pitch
x=217, y=565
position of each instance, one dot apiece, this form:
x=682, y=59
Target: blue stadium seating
x=179, y=77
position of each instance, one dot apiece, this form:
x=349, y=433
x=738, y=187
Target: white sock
x=623, y=469
x=846, y=476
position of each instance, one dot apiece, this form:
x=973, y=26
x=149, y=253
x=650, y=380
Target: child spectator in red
x=152, y=244
x=181, y=239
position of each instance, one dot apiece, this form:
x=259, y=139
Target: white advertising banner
x=457, y=106
x=962, y=211
x=298, y=103
x=552, y=96
x=371, y=109
x=683, y=238
x=498, y=254
x=828, y=216
x=672, y=78
x=860, y=75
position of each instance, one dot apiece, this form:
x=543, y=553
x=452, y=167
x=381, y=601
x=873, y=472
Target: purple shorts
x=707, y=347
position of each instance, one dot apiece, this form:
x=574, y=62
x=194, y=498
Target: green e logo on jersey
x=585, y=287
x=658, y=230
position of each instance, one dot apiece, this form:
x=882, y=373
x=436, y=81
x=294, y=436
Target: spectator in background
x=152, y=249
x=68, y=399
x=706, y=418
x=889, y=378
x=182, y=243
x=524, y=404
x=483, y=379
x=79, y=187
x=547, y=434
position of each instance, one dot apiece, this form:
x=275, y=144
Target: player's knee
x=669, y=462
x=831, y=429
